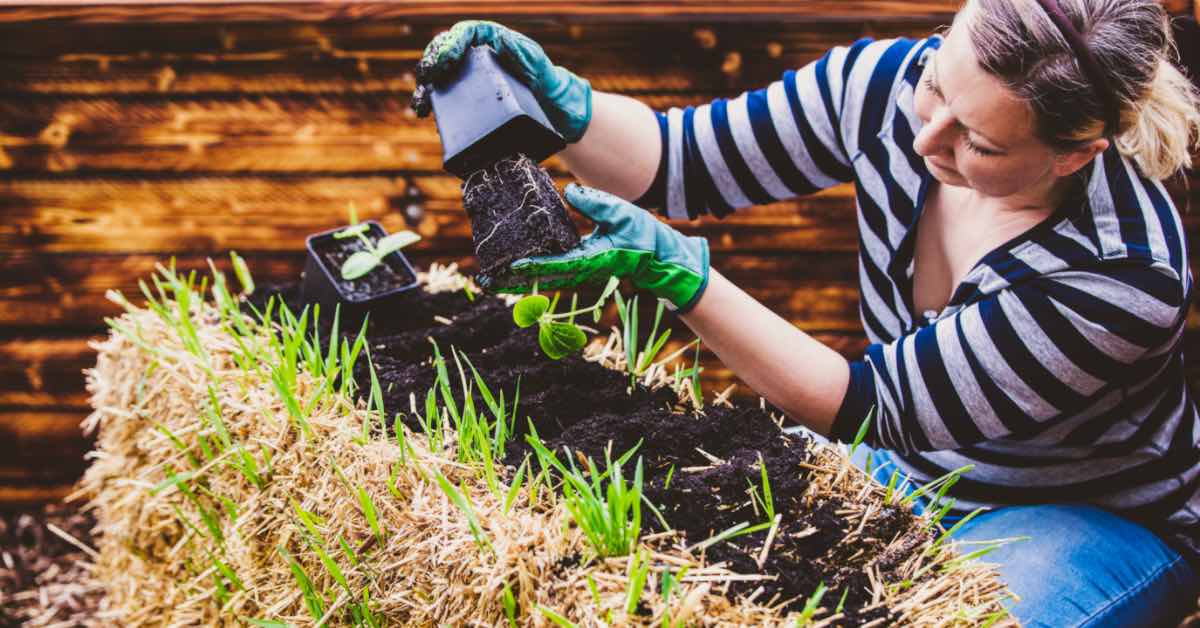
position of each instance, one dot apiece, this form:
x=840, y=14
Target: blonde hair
x=1159, y=117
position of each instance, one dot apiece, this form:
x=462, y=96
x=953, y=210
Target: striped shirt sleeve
x=1015, y=362
x=766, y=145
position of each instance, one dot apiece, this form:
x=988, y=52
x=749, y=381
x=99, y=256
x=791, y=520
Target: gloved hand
x=628, y=242
x=566, y=98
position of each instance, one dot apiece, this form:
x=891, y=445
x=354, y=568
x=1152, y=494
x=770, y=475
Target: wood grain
x=156, y=11
x=171, y=216
x=818, y=11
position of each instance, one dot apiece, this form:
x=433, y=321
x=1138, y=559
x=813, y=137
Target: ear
x=1068, y=163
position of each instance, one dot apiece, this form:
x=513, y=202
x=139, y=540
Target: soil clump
x=515, y=212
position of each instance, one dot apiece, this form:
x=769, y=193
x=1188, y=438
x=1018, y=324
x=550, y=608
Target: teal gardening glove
x=628, y=242
x=566, y=98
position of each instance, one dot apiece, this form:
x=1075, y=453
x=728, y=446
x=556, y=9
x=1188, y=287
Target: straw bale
x=156, y=557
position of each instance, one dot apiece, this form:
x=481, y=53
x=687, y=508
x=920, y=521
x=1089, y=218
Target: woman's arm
x=789, y=368
x=620, y=151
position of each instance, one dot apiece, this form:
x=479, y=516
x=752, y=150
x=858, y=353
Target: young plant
x=509, y=602
x=478, y=438
x=458, y=498
x=558, y=338
x=811, y=607
x=639, y=570
x=363, y=262
x=610, y=516
x=638, y=362
x=761, y=495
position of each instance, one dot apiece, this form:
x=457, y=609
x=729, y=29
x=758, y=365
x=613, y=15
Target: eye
x=977, y=149
x=928, y=82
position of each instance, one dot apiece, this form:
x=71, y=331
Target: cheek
x=995, y=176
x=922, y=104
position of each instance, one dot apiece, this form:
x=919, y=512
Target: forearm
x=789, y=368
x=620, y=151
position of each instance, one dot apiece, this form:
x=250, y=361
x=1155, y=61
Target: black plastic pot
x=323, y=281
x=484, y=114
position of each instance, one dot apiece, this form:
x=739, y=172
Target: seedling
x=639, y=569
x=763, y=498
x=458, y=498
x=811, y=607
x=363, y=262
x=609, y=516
x=732, y=532
x=861, y=435
x=509, y=601
x=638, y=362
x=312, y=599
x=478, y=438
x=558, y=337
x=555, y=617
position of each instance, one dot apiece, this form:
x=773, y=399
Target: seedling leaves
x=529, y=309
x=358, y=265
x=560, y=339
x=394, y=242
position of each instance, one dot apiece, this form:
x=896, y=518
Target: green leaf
x=358, y=265
x=394, y=242
x=172, y=480
x=555, y=617
x=352, y=231
x=266, y=623
x=528, y=310
x=559, y=340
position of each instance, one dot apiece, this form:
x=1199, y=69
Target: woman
x=1024, y=274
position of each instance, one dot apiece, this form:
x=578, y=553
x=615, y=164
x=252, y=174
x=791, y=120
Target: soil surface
x=714, y=456
x=515, y=212
x=42, y=575
x=384, y=278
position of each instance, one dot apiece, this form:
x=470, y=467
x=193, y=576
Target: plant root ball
x=515, y=212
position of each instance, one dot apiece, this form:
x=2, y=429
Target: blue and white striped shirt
x=1056, y=369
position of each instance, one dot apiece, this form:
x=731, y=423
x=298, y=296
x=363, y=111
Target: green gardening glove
x=628, y=242
x=566, y=98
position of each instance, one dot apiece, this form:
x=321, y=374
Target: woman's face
x=976, y=133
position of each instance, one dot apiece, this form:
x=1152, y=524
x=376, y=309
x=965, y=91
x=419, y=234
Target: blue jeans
x=1081, y=566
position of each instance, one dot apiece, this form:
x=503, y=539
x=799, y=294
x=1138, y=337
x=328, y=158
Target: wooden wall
x=133, y=132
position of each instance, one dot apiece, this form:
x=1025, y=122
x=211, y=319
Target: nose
x=936, y=136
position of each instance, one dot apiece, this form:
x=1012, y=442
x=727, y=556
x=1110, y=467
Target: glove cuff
x=704, y=266
x=570, y=103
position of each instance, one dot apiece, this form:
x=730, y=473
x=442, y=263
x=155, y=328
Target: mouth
x=941, y=167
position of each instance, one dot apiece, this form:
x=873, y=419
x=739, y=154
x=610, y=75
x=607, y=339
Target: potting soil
x=384, y=277
x=515, y=212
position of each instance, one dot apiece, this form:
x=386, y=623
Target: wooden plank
x=45, y=372
x=812, y=11
x=20, y=497
x=352, y=134
x=156, y=11
x=625, y=57
x=58, y=294
x=405, y=38
x=42, y=447
x=173, y=216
